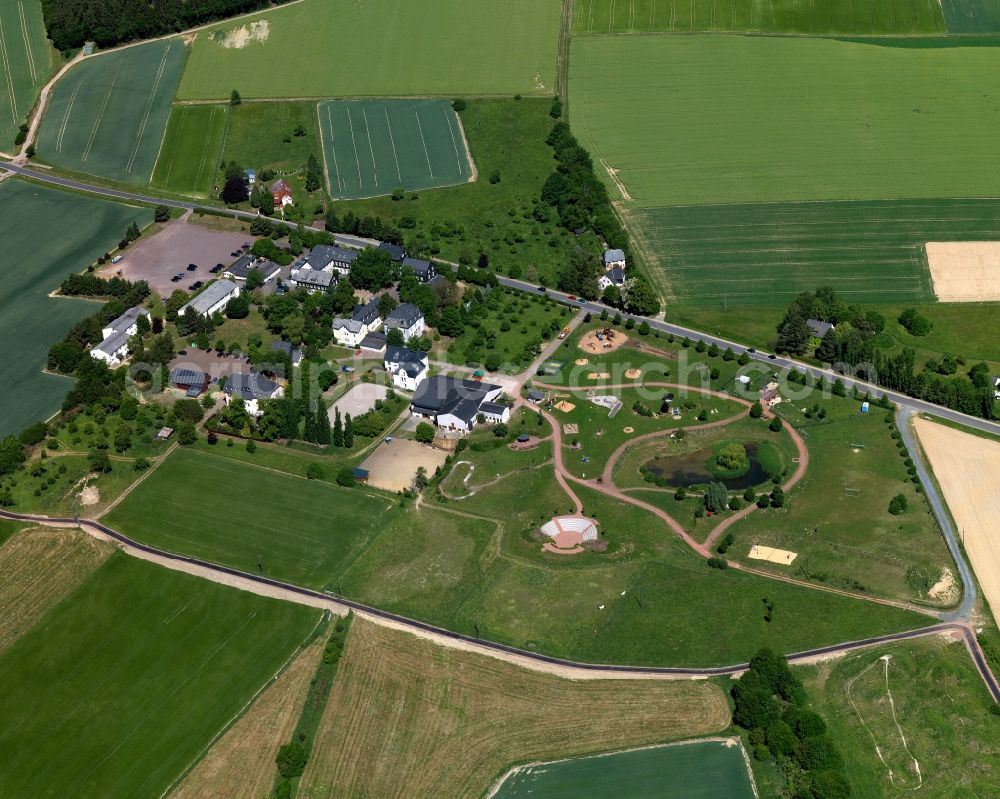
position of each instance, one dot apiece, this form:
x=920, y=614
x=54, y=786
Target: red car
x=571, y=297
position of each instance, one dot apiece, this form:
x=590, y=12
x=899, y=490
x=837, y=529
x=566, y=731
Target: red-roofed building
x=281, y=192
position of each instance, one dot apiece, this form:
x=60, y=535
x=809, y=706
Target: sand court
x=965, y=271
x=772, y=555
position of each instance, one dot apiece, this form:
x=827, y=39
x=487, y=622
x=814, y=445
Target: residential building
x=328, y=258
x=311, y=280
x=424, y=270
x=251, y=176
x=213, y=299
x=613, y=277
x=252, y=388
x=113, y=350
x=127, y=323
x=396, y=251
x=374, y=342
x=495, y=412
x=535, y=397
x=818, y=328
x=365, y=319
x=191, y=381
x=408, y=319
x=614, y=259
x=407, y=367
x=241, y=267
x=292, y=351
x=281, y=192
x=452, y=403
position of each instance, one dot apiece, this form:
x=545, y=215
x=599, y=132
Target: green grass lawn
x=386, y=47
x=305, y=530
x=35, y=265
x=262, y=136
x=506, y=139
x=119, y=689
x=851, y=541
x=686, y=771
x=107, y=116
x=26, y=61
x=189, y=158
x=941, y=707
x=782, y=16
x=972, y=16
x=758, y=118
x=374, y=147
x=508, y=324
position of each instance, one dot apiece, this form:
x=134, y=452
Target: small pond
x=692, y=469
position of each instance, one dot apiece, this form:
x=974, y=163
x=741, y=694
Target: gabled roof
x=374, y=342
x=418, y=266
x=616, y=276
x=241, y=267
x=404, y=355
x=322, y=255
x=404, y=316
x=443, y=394
x=610, y=256
x=312, y=277
x=818, y=328
x=396, y=251
x=251, y=386
x=127, y=319
x=494, y=408
x=284, y=346
x=366, y=313
x=188, y=377
x=112, y=343
x=353, y=325
x=213, y=294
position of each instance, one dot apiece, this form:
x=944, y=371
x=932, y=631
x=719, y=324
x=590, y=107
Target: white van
x=118, y=259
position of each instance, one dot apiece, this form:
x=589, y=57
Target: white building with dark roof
x=408, y=367
x=424, y=270
x=408, y=319
x=114, y=349
x=614, y=259
x=350, y=332
x=312, y=280
x=818, y=328
x=252, y=388
x=213, y=299
x=330, y=258
x=241, y=267
x=613, y=277
x=455, y=404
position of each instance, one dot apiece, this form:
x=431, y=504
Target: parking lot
x=161, y=256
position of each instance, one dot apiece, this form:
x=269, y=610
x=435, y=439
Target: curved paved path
x=266, y=586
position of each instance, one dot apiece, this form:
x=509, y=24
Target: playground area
x=568, y=534
x=609, y=401
x=393, y=466
x=601, y=342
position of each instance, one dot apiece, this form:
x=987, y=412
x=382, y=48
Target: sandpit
x=633, y=374
x=598, y=376
x=772, y=555
x=90, y=495
x=564, y=406
x=571, y=429
x=965, y=271
x=609, y=341
x=582, y=361
x=628, y=430
x=967, y=468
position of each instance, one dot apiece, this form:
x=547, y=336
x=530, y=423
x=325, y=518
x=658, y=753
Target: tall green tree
x=338, y=429
x=348, y=432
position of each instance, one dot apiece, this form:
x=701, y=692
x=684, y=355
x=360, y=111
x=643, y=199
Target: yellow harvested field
x=967, y=468
x=782, y=556
x=408, y=718
x=965, y=271
x=39, y=569
x=241, y=763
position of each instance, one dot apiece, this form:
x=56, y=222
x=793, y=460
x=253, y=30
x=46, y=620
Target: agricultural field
x=305, y=533
x=107, y=116
x=34, y=266
x=189, y=158
x=837, y=518
x=410, y=718
x=384, y=48
x=143, y=667
x=784, y=16
x=696, y=770
x=921, y=703
x=26, y=61
x=373, y=147
x=758, y=118
x=502, y=219
x=279, y=136
x=972, y=16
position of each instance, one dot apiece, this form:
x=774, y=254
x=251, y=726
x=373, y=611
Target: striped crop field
x=373, y=147
x=972, y=16
x=852, y=17
x=191, y=148
x=25, y=63
x=765, y=254
x=731, y=119
x=107, y=116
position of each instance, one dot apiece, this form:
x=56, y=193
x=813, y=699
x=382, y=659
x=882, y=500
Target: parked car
x=216, y=269
x=246, y=245
x=118, y=259
x=175, y=279
x=542, y=289
x=751, y=350
x=192, y=267
x=235, y=253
